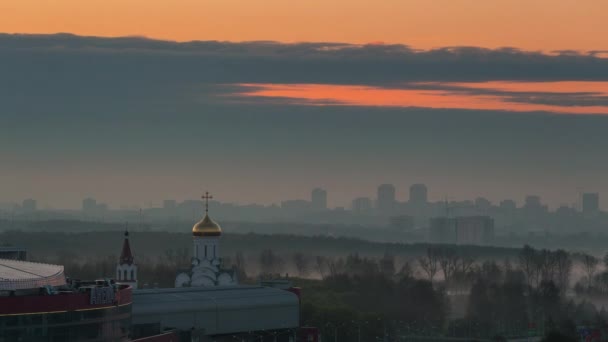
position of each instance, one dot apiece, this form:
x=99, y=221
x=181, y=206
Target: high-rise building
x=169, y=204
x=532, y=202
x=474, y=230
x=442, y=230
x=482, y=204
x=508, y=205
x=591, y=203
x=29, y=205
x=386, y=199
x=89, y=205
x=418, y=194
x=362, y=205
x=533, y=206
x=318, y=199
x=462, y=230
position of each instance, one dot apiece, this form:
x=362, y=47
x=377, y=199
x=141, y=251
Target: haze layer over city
x=303, y=171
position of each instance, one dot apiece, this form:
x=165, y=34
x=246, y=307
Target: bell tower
x=126, y=269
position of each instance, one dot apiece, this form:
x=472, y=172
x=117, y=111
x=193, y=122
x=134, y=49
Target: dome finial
x=207, y=197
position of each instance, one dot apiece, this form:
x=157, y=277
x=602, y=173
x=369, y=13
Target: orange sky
x=322, y=94
x=528, y=24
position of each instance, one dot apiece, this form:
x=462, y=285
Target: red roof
x=126, y=257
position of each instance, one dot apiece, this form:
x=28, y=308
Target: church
x=206, y=268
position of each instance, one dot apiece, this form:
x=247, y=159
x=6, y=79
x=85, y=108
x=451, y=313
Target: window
x=124, y=276
x=132, y=274
x=205, y=251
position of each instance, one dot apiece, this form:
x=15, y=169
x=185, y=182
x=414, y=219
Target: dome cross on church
x=207, y=197
x=206, y=226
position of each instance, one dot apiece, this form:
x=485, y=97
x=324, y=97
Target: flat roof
x=217, y=310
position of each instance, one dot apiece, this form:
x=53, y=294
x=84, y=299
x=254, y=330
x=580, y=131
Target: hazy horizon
x=134, y=121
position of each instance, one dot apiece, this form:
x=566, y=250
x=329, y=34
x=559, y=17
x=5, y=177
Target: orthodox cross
x=207, y=197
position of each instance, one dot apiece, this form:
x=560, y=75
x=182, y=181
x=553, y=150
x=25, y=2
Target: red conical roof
x=126, y=257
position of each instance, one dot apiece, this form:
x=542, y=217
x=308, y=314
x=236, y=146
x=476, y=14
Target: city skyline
x=412, y=194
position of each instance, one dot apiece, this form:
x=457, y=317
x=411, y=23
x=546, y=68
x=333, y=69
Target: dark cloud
x=133, y=58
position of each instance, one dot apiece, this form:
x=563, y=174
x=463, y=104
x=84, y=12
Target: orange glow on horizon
x=540, y=25
x=323, y=94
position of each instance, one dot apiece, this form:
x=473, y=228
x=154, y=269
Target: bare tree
x=563, y=268
x=448, y=262
x=301, y=263
x=406, y=271
x=321, y=265
x=239, y=264
x=589, y=266
x=387, y=265
x=528, y=265
x=270, y=262
x=430, y=263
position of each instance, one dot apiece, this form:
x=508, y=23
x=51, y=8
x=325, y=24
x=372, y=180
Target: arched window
x=205, y=251
x=124, y=276
x=214, y=255
x=118, y=274
x=132, y=274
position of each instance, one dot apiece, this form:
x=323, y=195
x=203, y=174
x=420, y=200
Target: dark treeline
x=357, y=289
x=155, y=244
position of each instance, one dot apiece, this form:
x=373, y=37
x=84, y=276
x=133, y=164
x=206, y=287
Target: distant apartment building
x=442, y=230
x=386, y=201
x=362, y=205
x=295, y=206
x=89, y=205
x=533, y=206
x=463, y=230
x=402, y=222
x=418, y=194
x=29, y=205
x=508, y=205
x=591, y=204
x=169, y=204
x=318, y=199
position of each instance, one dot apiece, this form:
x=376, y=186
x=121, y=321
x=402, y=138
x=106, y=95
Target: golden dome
x=206, y=227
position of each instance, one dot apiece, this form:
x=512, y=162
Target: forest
x=356, y=289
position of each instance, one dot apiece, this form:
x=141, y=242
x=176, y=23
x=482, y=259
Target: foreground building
x=38, y=304
x=218, y=313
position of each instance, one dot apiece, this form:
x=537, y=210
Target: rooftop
x=19, y=275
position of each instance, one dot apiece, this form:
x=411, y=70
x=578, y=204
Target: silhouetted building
x=591, y=204
x=474, y=230
x=533, y=206
x=442, y=230
x=463, y=230
x=89, y=205
x=418, y=194
x=318, y=199
x=386, y=199
x=482, y=204
x=508, y=205
x=29, y=205
x=295, y=205
x=169, y=204
x=402, y=222
x=362, y=205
